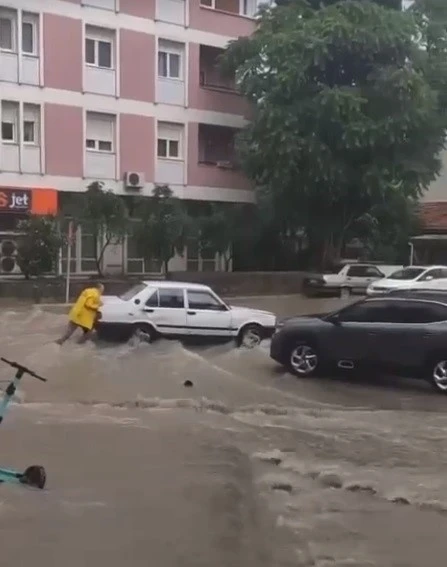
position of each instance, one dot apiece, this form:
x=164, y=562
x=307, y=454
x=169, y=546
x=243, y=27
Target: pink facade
x=137, y=66
x=138, y=8
x=135, y=72
x=64, y=140
x=206, y=175
x=222, y=23
x=62, y=46
x=137, y=144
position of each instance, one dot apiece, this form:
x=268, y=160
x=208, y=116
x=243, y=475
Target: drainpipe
x=411, y=245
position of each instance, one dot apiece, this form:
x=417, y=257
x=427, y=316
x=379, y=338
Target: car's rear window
x=406, y=274
x=132, y=292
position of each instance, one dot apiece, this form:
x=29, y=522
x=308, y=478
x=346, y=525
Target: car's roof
x=425, y=294
x=173, y=284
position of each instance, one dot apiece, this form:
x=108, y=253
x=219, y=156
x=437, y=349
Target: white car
x=407, y=278
x=347, y=279
x=181, y=310
x=431, y=285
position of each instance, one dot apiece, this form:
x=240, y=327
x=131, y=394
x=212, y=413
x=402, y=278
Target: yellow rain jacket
x=84, y=311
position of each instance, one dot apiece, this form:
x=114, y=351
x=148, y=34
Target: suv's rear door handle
x=147, y=310
x=191, y=313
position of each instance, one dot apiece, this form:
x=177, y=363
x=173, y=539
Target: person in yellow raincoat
x=84, y=313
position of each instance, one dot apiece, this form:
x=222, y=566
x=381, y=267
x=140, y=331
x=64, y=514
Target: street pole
x=68, y=273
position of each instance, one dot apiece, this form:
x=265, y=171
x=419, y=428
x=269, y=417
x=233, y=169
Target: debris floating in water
x=188, y=384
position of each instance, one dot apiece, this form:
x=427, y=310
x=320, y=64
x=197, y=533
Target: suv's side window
x=203, y=300
x=421, y=312
x=431, y=275
x=171, y=298
x=368, y=312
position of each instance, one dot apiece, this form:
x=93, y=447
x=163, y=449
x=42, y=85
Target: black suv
x=404, y=333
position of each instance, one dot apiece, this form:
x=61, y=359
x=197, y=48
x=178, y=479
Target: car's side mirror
x=334, y=319
x=428, y=278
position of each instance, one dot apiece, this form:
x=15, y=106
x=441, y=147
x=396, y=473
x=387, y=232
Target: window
x=100, y=132
x=432, y=275
x=169, y=140
x=167, y=148
x=31, y=121
x=153, y=300
x=413, y=312
x=406, y=274
x=369, y=312
x=30, y=24
x=169, y=59
x=10, y=113
x=204, y=300
x=363, y=272
x=102, y=4
x=7, y=31
x=171, y=298
x=99, y=48
x=242, y=7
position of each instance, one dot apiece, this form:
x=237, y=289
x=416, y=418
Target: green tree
x=222, y=227
x=39, y=246
x=164, y=226
x=102, y=214
x=346, y=113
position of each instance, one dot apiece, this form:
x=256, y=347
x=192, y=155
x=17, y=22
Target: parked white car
x=347, y=280
x=430, y=285
x=407, y=278
x=181, y=310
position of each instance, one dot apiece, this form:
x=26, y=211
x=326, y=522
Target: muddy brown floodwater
x=249, y=467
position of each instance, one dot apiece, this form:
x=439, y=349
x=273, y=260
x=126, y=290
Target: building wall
x=87, y=85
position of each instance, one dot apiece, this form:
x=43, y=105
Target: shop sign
x=15, y=200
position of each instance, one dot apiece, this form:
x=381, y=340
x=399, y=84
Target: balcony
x=210, y=75
x=212, y=158
x=224, y=17
x=209, y=89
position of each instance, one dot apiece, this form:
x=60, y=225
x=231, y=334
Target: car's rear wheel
x=438, y=373
x=303, y=360
x=250, y=336
x=144, y=332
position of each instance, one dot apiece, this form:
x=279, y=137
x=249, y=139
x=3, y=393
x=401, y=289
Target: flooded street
x=250, y=466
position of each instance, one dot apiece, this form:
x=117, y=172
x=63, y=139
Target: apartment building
x=122, y=91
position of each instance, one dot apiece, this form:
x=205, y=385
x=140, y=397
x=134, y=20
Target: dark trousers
x=71, y=328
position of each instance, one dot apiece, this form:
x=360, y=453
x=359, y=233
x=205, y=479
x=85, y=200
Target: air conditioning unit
x=8, y=254
x=134, y=180
x=225, y=164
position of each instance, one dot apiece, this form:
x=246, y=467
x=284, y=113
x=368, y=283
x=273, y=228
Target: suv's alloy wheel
x=303, y=360
x=439, y=375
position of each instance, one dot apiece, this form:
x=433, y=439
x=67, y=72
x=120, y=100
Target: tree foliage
x=222, y=227
x=347, y=113
x=164, y=226
x=102, y=214
x=39, y=245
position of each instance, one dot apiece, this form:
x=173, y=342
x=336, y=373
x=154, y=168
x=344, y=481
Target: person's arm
x=93, y=302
